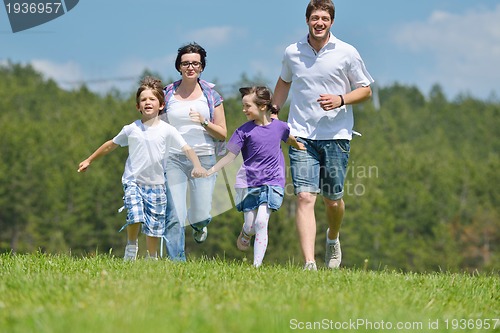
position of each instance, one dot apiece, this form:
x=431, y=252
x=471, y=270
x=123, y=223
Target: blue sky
x=108, y=43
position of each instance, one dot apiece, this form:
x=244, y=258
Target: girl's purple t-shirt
x=260, y=146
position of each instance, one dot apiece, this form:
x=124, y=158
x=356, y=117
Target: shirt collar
x=332, y=40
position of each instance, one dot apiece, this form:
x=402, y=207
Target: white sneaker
x=200, y=235
x=333, y=255
x=131, y=252
x=310, y=266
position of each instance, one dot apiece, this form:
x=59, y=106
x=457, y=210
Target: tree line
x=421, y=189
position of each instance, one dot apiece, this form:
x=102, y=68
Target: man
x=324, y=77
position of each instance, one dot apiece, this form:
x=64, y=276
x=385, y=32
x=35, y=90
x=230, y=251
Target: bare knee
x=334, y=204
x=306, y=199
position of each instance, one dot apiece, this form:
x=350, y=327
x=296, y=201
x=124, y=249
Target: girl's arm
x=105, y=149
x=292, y=141
x=229, y=158
x=198, y=170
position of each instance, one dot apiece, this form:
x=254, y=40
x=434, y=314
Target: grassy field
x=44, y=293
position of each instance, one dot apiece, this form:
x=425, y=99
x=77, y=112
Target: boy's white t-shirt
x=148, y=147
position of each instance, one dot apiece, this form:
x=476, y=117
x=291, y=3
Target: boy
x=149, y=140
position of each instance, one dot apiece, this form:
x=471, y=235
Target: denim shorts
x=146, y=204
x=251, y=198
x=321, y=168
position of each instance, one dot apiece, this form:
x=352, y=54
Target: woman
x=196, y=110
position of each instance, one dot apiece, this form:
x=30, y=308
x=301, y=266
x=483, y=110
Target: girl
x=260, y=181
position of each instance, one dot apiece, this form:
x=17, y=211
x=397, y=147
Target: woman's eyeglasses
x=186, y=64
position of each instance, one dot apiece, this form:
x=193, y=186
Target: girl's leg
x=248, y=230
x=249, y=224
x=261, y=238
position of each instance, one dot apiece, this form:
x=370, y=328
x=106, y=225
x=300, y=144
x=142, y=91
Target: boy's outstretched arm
x=292, y=141
x=198, y=170
x=229, y=158
x=106, y=148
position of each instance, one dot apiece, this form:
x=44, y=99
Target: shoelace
x=333, y=250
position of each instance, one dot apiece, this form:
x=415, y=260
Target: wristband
x=341, y=101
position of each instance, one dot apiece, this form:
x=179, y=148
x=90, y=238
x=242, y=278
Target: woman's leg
x=200, y=195
x=176, y=189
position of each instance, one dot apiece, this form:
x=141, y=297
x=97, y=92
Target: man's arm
x=280, y=93
x=358, y=95
x=329, y=102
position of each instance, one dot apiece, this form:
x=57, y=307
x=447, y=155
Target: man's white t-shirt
x=148, y=147
x=336, y=69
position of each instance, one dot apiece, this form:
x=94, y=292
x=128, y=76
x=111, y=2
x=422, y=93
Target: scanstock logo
x=26, y=14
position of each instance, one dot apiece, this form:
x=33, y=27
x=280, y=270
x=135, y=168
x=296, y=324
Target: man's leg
x=335, y=156
x=306, y=224
x=335, y=214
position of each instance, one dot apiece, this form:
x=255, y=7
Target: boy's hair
x=326, y=5
x=153, y=83
x=190, y=48
x=263, y=96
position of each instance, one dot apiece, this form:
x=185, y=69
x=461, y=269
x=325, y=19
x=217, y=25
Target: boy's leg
x=133, y=232
x=135, y=214
x=152, y=246
x=132, y=244
x=155, y=206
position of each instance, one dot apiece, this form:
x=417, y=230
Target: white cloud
x=465, y=49
x=214, y=36
x=123, y=76
x=68, y=72
x=135, y=66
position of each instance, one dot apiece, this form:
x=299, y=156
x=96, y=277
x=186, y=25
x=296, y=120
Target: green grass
x=45, y=293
